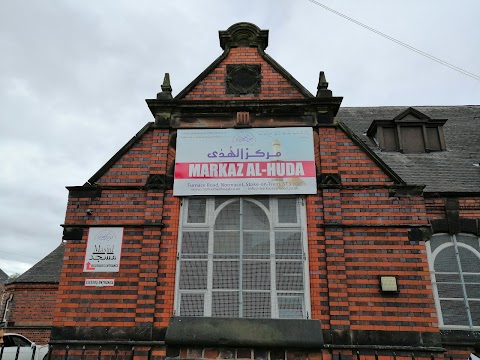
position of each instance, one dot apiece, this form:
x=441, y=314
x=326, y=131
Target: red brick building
x=382, y=256
x=29, y=299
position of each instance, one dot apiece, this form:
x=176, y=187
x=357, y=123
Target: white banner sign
x=99, y=282
x=245, y=161
x=104, y=248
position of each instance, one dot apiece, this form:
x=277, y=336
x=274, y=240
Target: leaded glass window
x=242, y=257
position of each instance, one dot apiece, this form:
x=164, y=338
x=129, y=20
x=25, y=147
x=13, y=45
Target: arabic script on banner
x=245, y=161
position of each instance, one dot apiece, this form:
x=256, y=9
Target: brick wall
x=31, y=310
x=140, y=304
x=357, y=233
x=468, y=207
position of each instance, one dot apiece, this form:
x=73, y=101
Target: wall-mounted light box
x=388, y=283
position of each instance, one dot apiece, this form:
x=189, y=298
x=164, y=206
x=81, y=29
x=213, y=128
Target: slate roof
x=46, y=270
x=3, y=276
x=444, y=171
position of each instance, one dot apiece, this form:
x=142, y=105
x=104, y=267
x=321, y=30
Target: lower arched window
x=455, y=271
x=242, y=257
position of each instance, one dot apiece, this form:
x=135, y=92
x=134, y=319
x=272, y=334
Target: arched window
x=455, y=271
x=242, y=257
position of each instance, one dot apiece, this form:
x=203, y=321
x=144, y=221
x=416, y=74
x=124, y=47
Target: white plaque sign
x=104, y=248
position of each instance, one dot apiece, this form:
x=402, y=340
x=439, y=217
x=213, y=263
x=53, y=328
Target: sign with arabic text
x=245, y=161
x=104, y=247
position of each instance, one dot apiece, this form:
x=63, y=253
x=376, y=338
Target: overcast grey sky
x=74, y=76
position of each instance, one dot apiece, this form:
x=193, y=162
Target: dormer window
x=409, y=132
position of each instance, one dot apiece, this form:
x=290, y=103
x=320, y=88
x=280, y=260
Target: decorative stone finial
x=166, y=88
x=322, y=88
x=243, y=34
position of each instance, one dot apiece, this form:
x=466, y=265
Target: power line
x=420, y=52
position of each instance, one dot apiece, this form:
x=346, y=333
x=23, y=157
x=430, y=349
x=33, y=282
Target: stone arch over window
x=242, y=257
x=454, y=262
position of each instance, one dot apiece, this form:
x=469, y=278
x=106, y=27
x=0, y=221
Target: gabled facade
x=273, y=267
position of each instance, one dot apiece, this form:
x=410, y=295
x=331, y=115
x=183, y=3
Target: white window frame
x=211, y=213
x=431, y=259
x=7, y=308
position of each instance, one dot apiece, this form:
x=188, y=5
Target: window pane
x=454, y=312
x=438, y=240
x=290, y=307
x=469, y=261
x=226, y=242
x=289, y=275
x=192, y=304
x=225, y=304
x=450, y=290
x=254, y=218
x=256, y=243
x=471, y=278
x=412, y=139
x=225, y=274
x=433, y=138
x=193, y=275
x=197, y=208
x=229, y=217
x=287, y=210
x=473, y=290
x=257, y=305
x=455, y=278
x=256, y=275
x=446, y=260
x=475, y=312
x=195, y=242
x=18, y=341
x=288, y=243
x=469, y=240
x=264, y=200
x=219, y=200
x=389, y=139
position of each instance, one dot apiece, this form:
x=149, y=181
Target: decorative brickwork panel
x=273, y=84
